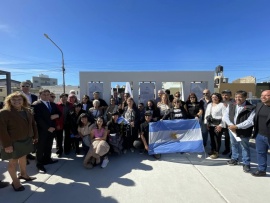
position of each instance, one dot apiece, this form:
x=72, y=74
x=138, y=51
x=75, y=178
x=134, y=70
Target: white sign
x=146, y=92
x=95, y=87
x=198, y=88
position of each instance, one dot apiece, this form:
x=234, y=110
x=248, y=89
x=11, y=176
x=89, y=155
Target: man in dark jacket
x=239, y=118
x=262, y=132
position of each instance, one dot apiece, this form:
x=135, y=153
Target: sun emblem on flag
x=173, y=135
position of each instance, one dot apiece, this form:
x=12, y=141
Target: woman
x=164, y=107
x=131, y=114
x=194, y=108
x=178, y=111
x=95, y=111
x=86, y=103
x=213, y=118
x=18, y=133
x=72, y=98
x=115, y=138
x=99, y=146
x=72, y=120
x=84, y=130
x=110, y=109
x=153, y=109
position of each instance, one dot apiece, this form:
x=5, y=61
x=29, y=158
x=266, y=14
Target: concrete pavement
x=135, y=177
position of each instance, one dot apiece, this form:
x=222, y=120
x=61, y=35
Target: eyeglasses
x=24, y=86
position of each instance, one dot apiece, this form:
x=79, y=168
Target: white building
x=189, y=80
x=58, y=90
x=43, y=80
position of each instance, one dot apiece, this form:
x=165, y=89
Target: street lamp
x=63, y=64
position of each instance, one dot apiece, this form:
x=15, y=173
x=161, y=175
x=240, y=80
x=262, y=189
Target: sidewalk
x=137, y=178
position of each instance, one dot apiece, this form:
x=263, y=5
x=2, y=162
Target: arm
x=225, y=117
x=245, y=124
x=144, y=141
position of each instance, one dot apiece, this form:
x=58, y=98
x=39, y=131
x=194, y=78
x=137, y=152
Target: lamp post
x=63, y=64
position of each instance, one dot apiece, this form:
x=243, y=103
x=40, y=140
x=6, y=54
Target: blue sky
x=134, y=35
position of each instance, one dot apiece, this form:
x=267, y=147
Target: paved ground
x=137, y=178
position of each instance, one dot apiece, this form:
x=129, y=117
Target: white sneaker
x=104, y=163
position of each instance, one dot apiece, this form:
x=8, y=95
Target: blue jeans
x=235, y=146
x=262, y=146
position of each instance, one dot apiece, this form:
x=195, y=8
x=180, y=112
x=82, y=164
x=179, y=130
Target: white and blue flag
x=170, y=136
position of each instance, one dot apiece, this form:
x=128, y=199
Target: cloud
x=4, y=28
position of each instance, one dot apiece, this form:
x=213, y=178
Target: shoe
x=246, y=168
x=27, y=179
x=104, y=163
x=41, y=168
x=59, y=155
x=50, y=162
x=225, y=152
x=19, y=189
x=259, y=173
x=232, y=162
x=132, y=149
x=214, y=155
x=3, y=184
x=30, y=157
x=141, y=151
x=157, y=156
x=210, y=153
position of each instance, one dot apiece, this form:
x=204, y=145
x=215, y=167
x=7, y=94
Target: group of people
x=29, y=124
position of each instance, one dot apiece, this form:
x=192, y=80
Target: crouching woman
x=99, y=147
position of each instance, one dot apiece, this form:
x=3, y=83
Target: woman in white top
x=164, y=106
x=213, y=118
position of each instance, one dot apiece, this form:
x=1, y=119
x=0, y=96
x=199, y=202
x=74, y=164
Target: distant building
x=43, y=80
x=14, y=83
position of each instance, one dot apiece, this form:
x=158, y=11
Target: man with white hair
x=160, y=93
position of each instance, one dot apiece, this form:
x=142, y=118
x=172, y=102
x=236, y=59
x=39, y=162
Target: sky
x=134, y=35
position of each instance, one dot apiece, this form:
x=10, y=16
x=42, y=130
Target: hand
x=51, y=129
x=35, y=141
x=132, y=124
x=218, y=129
x=77, y=136
x=197, y=118
x=232, y=128
x=9, y=149
x=54, y=116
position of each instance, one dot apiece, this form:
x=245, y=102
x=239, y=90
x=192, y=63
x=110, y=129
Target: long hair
x=7, y=102
x=192, y=94
x=103, y=123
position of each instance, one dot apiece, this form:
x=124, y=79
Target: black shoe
x=232, y=162
x=157, y=156
x=19, y=189
x=27, y=179
x=50, y=162
x=3, y=184
x=41, y=168
x=246, y=168
x=259, y=173
x=30, y=157
x=225, y=152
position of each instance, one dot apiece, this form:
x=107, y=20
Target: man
x=31, y=98
x=170, y=96
x=116, y=98
x=160, y=93
x=52, y=97
x=239, y=118
x=205, y=101
x=143, y=143
x=45, y=113
x=102, y=104
x=262, y=132
x=226, y=99
x=62, y=127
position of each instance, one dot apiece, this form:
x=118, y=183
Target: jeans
x=235, y=146
x=262, y=146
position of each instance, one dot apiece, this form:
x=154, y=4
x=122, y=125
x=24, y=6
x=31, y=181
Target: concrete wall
x=158, y=77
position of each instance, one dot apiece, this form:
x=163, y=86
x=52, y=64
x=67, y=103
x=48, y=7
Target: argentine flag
x=170, y=136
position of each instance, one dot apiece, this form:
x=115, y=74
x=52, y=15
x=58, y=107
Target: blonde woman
x=18, y=133
x=164, y=106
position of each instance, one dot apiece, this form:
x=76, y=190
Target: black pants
x=130, y=137
x=215, y=139
x=44, y=147
x=227, y=139
x=59, y=141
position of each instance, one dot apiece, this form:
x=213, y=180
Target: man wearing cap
x=144, y=135
x=226, y=99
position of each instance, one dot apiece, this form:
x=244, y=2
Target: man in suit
x=31, y=98
x=262, y=132
x=45, y=113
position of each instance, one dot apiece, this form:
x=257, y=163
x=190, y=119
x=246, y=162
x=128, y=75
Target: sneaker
x=232, y=162
x=214, y=155
x=104, y=163
x=210, y=153
x=246, y=168
x=259, y=173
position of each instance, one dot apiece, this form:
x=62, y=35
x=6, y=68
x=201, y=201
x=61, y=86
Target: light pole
x=63, y=64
